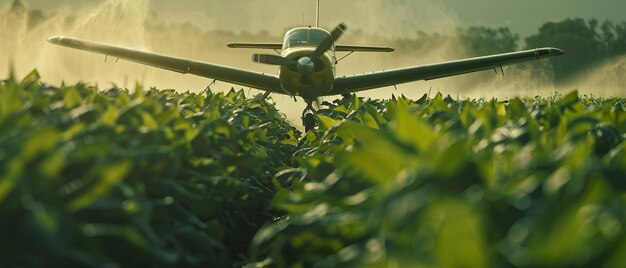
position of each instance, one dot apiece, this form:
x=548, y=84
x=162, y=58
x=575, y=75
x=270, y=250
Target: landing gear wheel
x=308, y=120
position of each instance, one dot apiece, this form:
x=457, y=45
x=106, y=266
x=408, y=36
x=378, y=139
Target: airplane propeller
x=304, y=65
x=328, y=42
x=273, y=59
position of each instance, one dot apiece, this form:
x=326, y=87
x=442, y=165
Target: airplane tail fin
x=317, y=15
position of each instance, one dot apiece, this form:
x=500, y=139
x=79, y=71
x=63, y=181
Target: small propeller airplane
x=307, y=65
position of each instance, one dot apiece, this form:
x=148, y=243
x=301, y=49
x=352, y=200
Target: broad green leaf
x=108, y=176
x=72, y=98
x=46, y=220
x=291, y=140
x=148, y=122
x=109, y=117
x=325, y=123
x=411, y=130
x=32, y=79
x=569, y=100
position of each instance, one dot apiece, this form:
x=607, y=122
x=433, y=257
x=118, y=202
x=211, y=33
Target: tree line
x=587, y=43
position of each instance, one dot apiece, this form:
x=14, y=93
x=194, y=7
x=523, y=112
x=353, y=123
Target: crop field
x=158, y=178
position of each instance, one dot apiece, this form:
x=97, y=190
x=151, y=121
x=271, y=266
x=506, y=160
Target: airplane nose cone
x=305, y=65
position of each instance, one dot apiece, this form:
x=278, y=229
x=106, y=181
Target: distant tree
x=483, y=41
x=613, y=38
x=579, y=38
x=18, y=6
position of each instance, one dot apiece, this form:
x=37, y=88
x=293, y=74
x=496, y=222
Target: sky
x=399, y=16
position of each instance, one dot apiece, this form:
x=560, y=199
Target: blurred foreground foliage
x=115, y=178
x=135, y=179
x=535, y=182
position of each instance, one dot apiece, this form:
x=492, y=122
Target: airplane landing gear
x=308, y=117
x=308, y=120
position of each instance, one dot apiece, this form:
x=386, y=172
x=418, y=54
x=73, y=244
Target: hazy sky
x=383, y=16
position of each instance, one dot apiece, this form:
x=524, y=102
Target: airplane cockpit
x=305, y=36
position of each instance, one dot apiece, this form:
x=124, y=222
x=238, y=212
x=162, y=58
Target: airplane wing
x=356, y=48
x=361, y=82
x=278, y=46
x=218, y=72
x=255, y=45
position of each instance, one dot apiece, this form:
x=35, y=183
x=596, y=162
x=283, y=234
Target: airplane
x=307, y=65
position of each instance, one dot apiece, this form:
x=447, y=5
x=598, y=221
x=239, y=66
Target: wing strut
x=267, y=94
x=345, y=56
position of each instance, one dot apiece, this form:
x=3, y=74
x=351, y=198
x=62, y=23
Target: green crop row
x=536, y=182
x=158, y=178
x=112, y=178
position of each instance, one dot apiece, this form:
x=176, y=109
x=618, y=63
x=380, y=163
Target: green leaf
x=325, y=122
x=149, y=123
x=46, y=220
x=413, y=131
x=72, y=98
x=32, y=79
x=109, y=117
x=109, y=175
x=569, y=100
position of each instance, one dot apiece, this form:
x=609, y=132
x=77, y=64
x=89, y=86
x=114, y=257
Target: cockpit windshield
x=304, y=37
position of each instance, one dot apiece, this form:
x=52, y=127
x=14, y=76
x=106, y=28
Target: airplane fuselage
x=301, y=43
